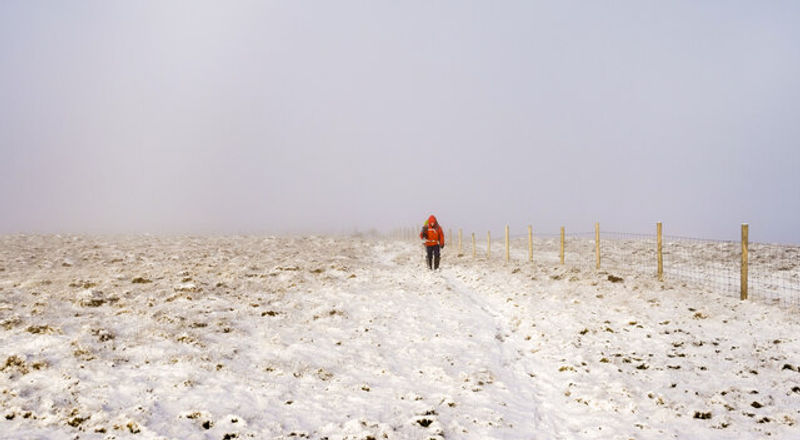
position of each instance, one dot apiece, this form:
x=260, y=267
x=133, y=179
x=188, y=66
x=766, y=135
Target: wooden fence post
x=660, y=254
x=530, y=243
x=745, y=245
x=460, y=253
x=488, y=244
x=473, y=245
x=562, y=245
x=508, y=246
x=597, y=243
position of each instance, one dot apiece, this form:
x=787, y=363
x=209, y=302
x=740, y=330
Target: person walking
x=433, y=236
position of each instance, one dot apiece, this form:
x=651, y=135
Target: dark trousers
x=433, y=256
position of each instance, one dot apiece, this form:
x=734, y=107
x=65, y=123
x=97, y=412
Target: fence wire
x=629, y=252
x=773, y=269
x=714, y=264
x=774, y=272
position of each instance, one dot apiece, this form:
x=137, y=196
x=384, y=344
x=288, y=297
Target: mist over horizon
x=318, y=118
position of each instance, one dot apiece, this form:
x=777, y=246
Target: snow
x=350, y=338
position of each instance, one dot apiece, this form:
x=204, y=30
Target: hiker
x=433, y=236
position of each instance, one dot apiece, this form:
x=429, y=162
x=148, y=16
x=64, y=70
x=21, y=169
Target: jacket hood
x=432, y=220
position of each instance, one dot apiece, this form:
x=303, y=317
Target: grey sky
x=335, y=116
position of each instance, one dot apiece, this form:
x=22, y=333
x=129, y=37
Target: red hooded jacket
x=432, y=233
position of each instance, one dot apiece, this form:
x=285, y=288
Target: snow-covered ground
x=350, y=338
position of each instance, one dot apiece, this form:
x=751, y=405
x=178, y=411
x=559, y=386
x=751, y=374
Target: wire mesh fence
x=629, y=252
x=711, y=263
x=773, y=270
x=547, y=248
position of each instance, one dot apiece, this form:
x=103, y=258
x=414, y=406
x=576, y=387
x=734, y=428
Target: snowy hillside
x=349, y=338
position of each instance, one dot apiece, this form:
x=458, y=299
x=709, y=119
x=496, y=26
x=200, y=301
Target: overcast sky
x=300, y=116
